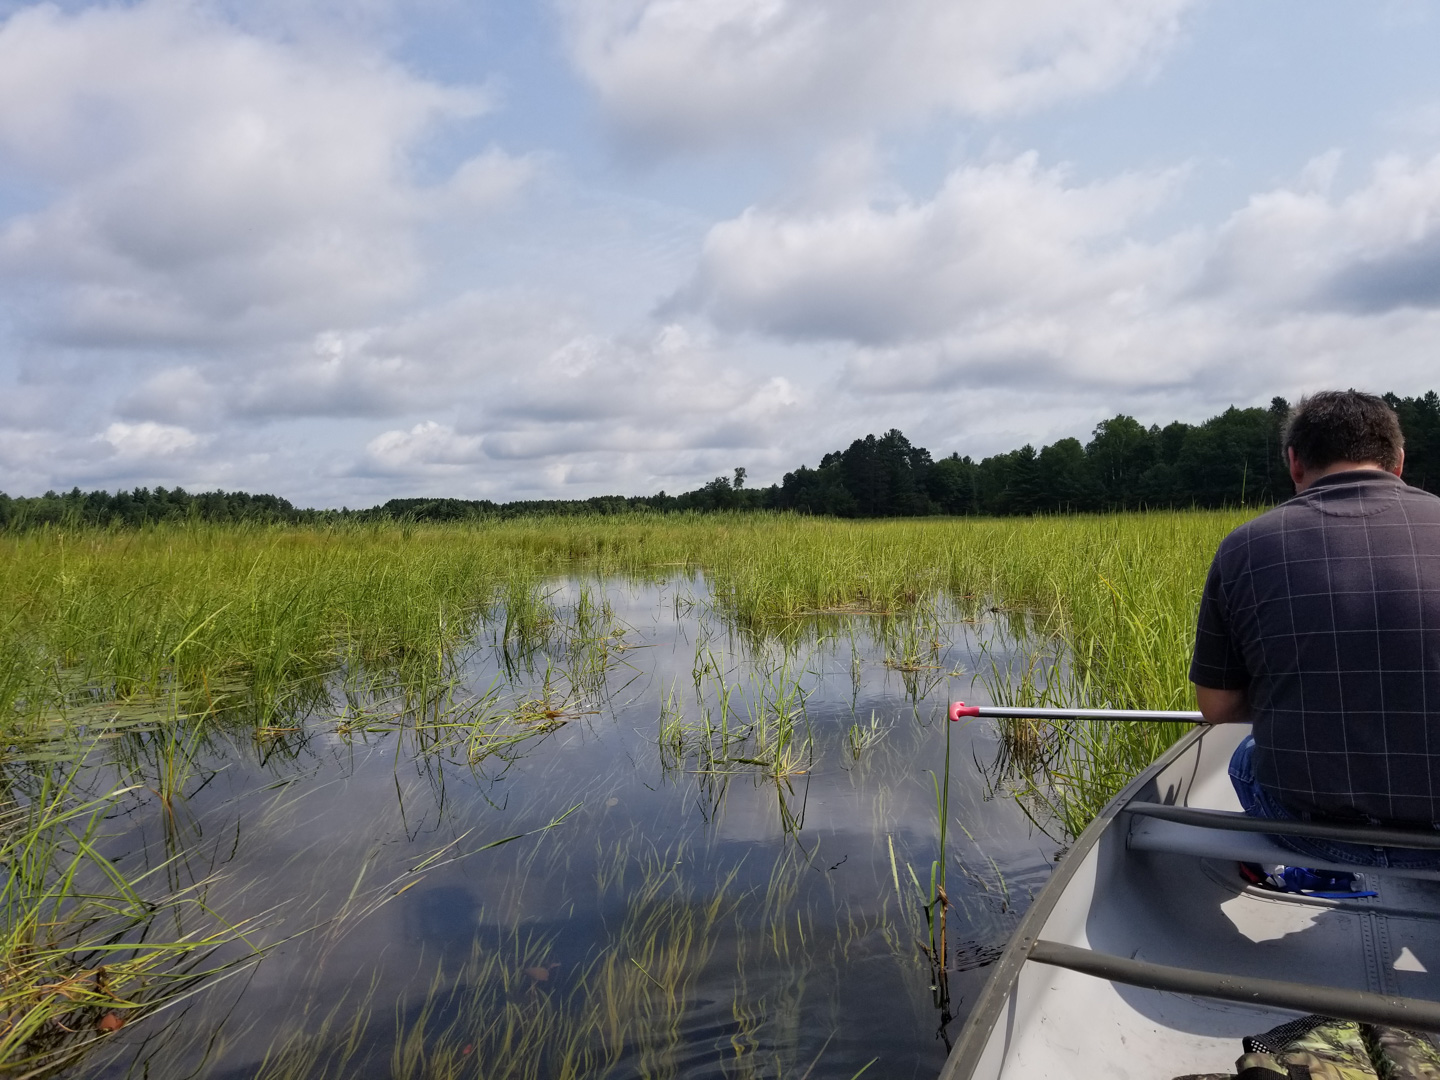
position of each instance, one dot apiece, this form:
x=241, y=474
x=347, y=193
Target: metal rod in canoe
x=959, y=709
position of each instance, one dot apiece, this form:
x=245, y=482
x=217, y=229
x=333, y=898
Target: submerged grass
x=84, y=949
x=519, y=1006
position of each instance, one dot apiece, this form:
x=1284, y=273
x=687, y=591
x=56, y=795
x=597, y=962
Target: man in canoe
x=1320, y=623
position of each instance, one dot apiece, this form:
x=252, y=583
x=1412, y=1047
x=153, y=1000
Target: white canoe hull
x=1141, y=889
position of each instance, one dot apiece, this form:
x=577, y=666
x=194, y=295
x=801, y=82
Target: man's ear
x=1400, y=463
x=1297, y=470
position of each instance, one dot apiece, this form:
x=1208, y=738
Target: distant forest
x=1229, y=460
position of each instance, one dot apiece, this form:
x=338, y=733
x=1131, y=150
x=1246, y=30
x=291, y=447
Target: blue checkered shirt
x=1326, y=611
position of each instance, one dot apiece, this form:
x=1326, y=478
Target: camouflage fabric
x=1259, y=1066
x=1329, y=1052
x=1408, y=1055
x=1317, y=1048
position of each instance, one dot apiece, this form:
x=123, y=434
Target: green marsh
x=627, y=797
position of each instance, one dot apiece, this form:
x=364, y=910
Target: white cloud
x=485, y=181
x=149, y=439
x=338, y=374
x=603, y=379
x=29, y=407
x=140, y=454
x=427, y=449
x=596, y=407
x=1011, y=276
x=1373, y=250
x=686, y=72
x=447, y=355
x=212, y=185
x=995, y=239
x=31, y=458
x=179, y=395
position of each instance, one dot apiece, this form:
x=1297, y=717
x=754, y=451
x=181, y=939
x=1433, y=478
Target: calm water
x=688, y=913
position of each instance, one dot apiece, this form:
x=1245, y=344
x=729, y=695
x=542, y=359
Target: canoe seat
x=1207, y=842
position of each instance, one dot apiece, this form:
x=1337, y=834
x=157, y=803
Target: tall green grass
x=216, y=610
x=252, y=620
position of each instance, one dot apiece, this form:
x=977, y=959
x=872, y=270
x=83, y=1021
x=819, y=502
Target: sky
x=348, y=250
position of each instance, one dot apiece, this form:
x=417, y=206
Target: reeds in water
x=86, y=949
x=260, y=631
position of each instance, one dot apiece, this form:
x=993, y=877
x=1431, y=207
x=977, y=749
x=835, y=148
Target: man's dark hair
x=1344, y=425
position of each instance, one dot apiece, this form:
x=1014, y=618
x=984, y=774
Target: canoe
x=1147, y=956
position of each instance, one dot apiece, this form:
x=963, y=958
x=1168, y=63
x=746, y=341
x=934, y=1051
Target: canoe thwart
x=1360, y=1005
x=1229, y=845
x=1370, y=835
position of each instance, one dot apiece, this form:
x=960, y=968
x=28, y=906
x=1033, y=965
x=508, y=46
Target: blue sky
x=348, y=251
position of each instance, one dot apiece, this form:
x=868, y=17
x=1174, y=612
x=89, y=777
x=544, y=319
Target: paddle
x=959, y=709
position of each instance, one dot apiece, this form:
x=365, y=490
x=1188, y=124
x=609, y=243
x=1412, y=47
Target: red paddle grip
x=959, y=709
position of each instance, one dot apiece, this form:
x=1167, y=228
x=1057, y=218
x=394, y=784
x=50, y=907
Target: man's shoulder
x=1273, y=521
x=1418, y=497
x=1302, y=514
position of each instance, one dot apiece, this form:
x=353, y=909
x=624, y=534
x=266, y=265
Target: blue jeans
x=1260, y=803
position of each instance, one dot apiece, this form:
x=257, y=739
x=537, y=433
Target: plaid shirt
x=1326, y=611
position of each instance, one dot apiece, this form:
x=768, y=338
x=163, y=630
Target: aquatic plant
x=198, y=607
x=188, y=646
x=84, y=948
x=861, y=737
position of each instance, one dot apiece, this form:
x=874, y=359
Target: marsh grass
x=91, y=944
x=758, y=723
x=937, y=900
x=201, y=609
x=106, y=627
x=156, y=643
x=87, y=949
x=860, y=738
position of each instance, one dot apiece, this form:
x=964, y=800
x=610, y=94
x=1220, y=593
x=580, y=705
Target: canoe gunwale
x=982, y=1019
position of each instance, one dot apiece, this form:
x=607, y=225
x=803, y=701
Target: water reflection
x=618, y=836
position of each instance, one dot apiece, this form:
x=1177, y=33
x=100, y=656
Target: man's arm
x=1222, y=706
x=1218, y=667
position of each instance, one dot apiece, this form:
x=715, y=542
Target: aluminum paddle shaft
x=999, y=712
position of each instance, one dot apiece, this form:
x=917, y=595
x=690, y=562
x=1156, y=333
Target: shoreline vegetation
x=1232, y=459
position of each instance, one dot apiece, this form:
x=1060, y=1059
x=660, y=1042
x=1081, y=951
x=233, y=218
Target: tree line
x=1233, y=459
